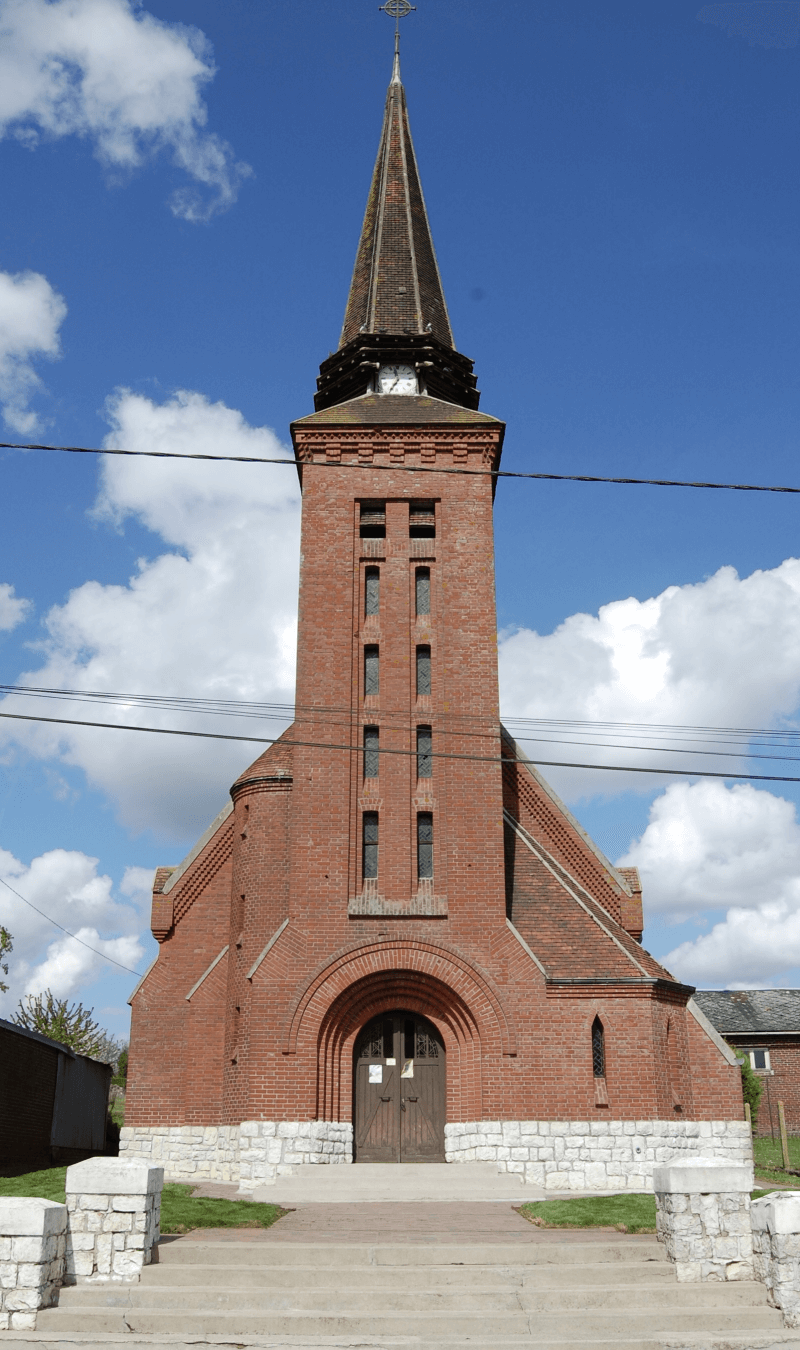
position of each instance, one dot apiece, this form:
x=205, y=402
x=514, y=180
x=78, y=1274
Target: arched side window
x=599, y=1063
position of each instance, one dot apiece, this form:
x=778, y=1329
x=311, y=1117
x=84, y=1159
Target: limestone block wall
x=269, y=1148
x=252, y=1153
x=776, y=1250
x=573, y=1155
x=32, y=1245
x=113, y=1219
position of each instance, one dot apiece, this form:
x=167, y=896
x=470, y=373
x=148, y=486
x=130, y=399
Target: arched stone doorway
x=399, y=1090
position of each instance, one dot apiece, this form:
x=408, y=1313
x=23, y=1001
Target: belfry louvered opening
x=371, y=752
x=424, y=752
x=422, y=590
x=423, y=671
x=422, y=520
x=373, y=520
x=425, y=845
x=370, y=845
x=372, y=676
x=372, y=591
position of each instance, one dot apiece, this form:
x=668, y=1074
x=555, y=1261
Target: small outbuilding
x=53, y=1102
x=765, y=1023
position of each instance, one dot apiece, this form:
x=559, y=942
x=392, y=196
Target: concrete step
x=345, y=1256
x=379, y=1182
x=511, y=1297
x=428, y=1327
x=210, y=1276
x=748, y=1340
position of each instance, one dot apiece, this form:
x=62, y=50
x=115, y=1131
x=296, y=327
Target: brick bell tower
x=396, y=943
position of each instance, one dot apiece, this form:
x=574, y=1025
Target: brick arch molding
x=414, y=991
x=466, y=981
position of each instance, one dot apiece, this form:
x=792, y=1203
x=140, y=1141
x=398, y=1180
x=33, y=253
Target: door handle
x=386, y=1099
x=411, y=1099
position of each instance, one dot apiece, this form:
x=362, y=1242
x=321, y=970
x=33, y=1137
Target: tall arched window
x=598, y=1049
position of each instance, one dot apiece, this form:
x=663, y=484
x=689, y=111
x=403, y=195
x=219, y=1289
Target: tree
x=71, y=1024
x=6, y=945
x=752, y=1086
x=121, y=1074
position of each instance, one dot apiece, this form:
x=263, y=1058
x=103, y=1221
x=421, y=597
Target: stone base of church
x=598, y=1155
x=608, y=1155
x=252, y=1154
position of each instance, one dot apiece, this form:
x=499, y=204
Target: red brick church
x=395, y=943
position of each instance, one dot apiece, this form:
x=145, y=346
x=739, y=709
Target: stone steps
x=487, y=1296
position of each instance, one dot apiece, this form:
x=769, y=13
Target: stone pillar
x=776, y=1250
x=703, y=1218
x=114, y=1207
x=32, y=1245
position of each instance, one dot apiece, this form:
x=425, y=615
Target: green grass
x=180, y=1211
x=768, y=1154
x=117, y=1112
x=627, y=1213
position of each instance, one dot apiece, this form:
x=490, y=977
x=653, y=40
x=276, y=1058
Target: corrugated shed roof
x=734, y=1011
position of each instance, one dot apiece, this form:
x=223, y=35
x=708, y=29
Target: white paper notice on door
x=376, y=1073
x=408, y=1069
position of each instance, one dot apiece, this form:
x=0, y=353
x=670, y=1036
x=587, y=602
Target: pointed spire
x=396, y=286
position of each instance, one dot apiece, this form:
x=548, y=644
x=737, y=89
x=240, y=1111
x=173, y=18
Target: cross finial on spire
x=397, y=10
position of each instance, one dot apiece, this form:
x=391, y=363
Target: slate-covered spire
x=396, y=287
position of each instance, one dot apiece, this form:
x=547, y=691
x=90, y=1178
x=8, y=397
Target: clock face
x=397, y=380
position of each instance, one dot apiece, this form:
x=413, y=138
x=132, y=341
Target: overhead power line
x=436, y=754
x=66, y=930
x=407, y=468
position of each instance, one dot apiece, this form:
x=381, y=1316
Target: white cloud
x=109, y=71
x=31, y=313
x=722, y=652
x=13, y=609
x=737, y=849
x=213, y=616
x=66, y=885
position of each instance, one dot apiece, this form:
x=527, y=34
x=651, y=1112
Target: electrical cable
x=66, y=930
x=405, y=468
x=436, y=754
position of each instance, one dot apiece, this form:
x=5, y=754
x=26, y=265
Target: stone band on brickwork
x=703, y=1218
x=32, y=1245
x=569, y=1155
x=253, y=1153
x=114, y=1212
x=558, y=1155
x=775, y=1220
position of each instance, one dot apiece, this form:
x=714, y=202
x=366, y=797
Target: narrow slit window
x=423, y=670
x=373, y=520
x=372, y=590
x=422, y=520
x=371, y=752
x=424, y=845
x=424, y=752
x=423, y=590
x=372, y=681
x=598, y=1049
x=370, y=845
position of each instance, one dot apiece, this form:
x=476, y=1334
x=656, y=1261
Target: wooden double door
x=399, y=1091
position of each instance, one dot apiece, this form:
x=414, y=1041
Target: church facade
x=395, y=943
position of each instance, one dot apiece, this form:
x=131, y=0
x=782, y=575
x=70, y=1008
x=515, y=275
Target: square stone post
x=32, y=1244
x=776, y=1250
x=114, y=1208
x=703, y=1218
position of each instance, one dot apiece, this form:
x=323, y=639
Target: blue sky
x=614, y=202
